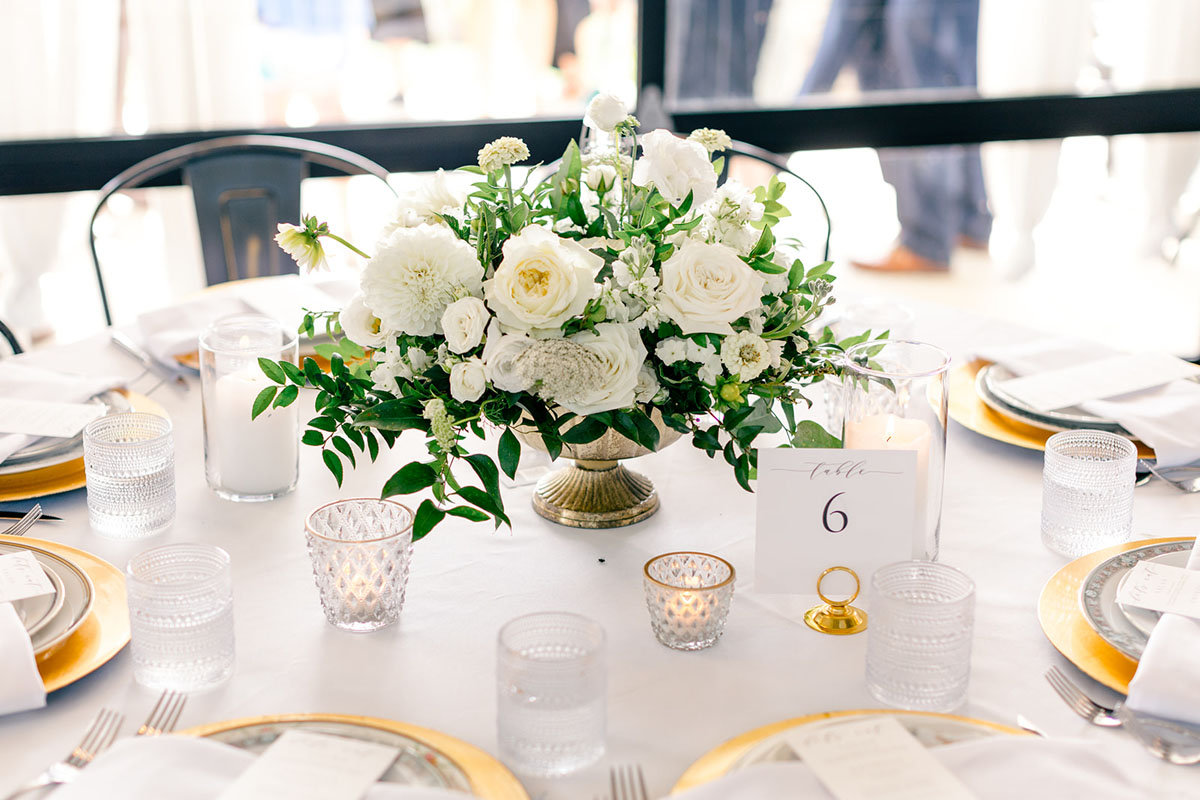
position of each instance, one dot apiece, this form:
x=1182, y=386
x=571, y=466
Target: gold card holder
x=837, y=617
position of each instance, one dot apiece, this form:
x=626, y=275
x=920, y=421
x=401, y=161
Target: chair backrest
x=8, y=336
x=242, y=187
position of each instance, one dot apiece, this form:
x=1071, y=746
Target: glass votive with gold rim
x=688, y=595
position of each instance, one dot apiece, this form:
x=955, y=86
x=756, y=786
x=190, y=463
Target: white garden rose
x=621, y=353
x=360, y=325
x=706, y=286
x=675, y=167
x=605, y=112
x=415, y=274
x=467, y=380
x=499, y=358
x=463, y=323
x=542, y=281
x=601, y=177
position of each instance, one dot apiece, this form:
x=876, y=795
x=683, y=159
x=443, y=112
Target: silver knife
x=132, y=348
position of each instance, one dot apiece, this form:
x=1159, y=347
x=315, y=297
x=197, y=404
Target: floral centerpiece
x=621, y=294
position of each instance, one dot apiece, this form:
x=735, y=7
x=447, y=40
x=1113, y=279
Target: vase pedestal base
x=595, y=494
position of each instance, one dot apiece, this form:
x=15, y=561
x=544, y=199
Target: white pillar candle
x=890, y=432
x=253, y=456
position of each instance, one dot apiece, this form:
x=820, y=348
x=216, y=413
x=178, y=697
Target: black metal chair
x=242, y=186
x=11, y=338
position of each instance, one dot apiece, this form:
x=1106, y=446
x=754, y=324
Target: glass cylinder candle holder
x=129, y=462
x=360, y=551
x=897, y=400
x=247, y=459
x=1087, y=491
x=688, y=595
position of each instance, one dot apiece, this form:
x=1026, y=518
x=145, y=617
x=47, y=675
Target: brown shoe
x=971, y=243
x=903, y=260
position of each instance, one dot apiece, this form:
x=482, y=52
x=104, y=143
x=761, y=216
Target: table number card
x=820, y=508
x=22, y=576
x=301, y=765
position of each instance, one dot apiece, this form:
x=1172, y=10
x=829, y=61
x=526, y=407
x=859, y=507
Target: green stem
x=508, y=182
x=346, y=244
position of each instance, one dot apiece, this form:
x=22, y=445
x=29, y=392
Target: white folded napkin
x=22, y=382
x=998, y=768
x=1166, y=683
x=184, y=768
x=21, y=686
x=1167, y=417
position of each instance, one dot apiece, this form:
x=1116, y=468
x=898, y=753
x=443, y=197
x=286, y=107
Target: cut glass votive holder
x=360, y=551
x=1087, y=491
x=129, y=462
x=688, y=596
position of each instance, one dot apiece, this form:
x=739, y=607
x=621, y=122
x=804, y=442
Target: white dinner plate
x=1143, y=618
x=989, y=385
x=35, y=613
x=49, y=451
x=78, y=596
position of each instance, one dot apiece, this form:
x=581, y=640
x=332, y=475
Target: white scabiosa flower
x=416, y=273
x=542, y=281
x=500, y=356
x=303, y=244
x=713, y=140
x=675, y=167
x=745, y=355
x=706, y=286
x=605, y=112
x=503, y=152
x=468, y=380
x=463, y=324
x=363, y=327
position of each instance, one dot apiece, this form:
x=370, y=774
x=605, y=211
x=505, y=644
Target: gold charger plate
x=68, y=475
x=105, y=630
x=718, y=761
x=1068, y=630
x=489, y=779
x=968, y=410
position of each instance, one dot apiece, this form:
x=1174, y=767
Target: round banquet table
x=436, y=668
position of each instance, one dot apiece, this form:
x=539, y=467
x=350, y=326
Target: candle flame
x=890, y=430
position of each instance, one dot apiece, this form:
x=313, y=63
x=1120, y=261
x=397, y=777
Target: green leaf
x=313, y=438
x=587, y=430
x=811, y=434
x=412, y=477
x=466, y=512
x=392, y=415
x=372, y=444
x=625, y=426
x=287, y=396
x=312, y=370
x=323, y=424
x=647, y=431
x=509, y=453
x=485, y=468
x=262, y=401
x=337, y=365
x=575, y=211
x=481, y=499
x=294, y=373
x=272, y=370
x=428, y=515
x=333, y=463
x=344, y=448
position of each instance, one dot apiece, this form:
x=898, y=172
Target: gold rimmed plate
x=427, y=757
x=1063, y=620
x=767, y=744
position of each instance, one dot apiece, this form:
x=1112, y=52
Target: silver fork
x=627, y=782
x=164, y=715
x=96, y=739
x=1079, y=702
x=26, y=522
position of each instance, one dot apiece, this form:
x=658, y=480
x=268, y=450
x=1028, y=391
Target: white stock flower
x=709, y=360
x=706, y=286
x=605, y=112
x=542, y=281
x=647, y=385
x=302, y=246
x=433, y=198
x=671, y=350
x=745, y=355
x=601, y=177
x=419, y=360
x=415, y=274
x=499, y=359
x=360, y=325
x=776, y=284
x=501, y=153
x=776, y=349
x=391, y=365
x=727, y=217
x=675, y=167
x=467, y=380
x=711, y=139
x=463, y=324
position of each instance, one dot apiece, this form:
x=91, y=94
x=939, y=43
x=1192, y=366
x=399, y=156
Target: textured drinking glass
x=181, y=615
x=688, y=595
x=896, y=399
x=247, y=459
x=129, y=460
x=919, y=638
x=1087, y=491
x=360, y=551
x=550, y=680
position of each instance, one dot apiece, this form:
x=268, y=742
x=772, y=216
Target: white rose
x=499, y=359
x=705, y=287
x=360, y=324
x=601, y=177
x=542, y=281
x=675, y=167
x=463, y=323
x=467, y=380
x=605, y=112
x=621, y=353
x=647, y=385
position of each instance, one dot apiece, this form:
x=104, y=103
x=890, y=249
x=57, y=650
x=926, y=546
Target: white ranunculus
x=499, y=358
x=675, y=167
x=601, y=177
x=542, y=281
x=605, y=112
x=621, y=353
x=467, y=380
x=463, y=323
x=360, y=324
x=706, y=286
x=415, y=274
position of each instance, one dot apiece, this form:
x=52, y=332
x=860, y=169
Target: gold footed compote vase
x=597, y=491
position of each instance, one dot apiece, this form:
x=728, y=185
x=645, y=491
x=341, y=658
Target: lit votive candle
x=688, y=596
x=890, y=432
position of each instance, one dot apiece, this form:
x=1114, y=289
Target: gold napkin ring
x=837, y=617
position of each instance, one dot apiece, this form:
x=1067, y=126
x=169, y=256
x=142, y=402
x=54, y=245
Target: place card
x=874, y=758
x=46, y=418
x=1096, y=380
x=22, y=576
x=820, y=508
x=1160, y=587
x=301, y=765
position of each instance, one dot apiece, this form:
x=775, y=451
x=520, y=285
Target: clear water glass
x=551, y=685
x=688, y=595
x=922, y=617
x=360, y=551
x=129, y=460
x=181, y=615
x=1087, y=491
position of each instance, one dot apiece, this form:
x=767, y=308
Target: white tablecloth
x=666, y=708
